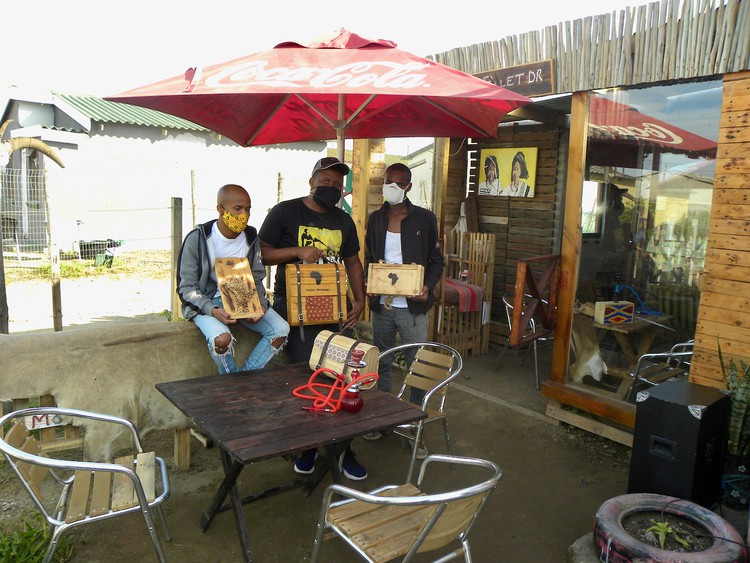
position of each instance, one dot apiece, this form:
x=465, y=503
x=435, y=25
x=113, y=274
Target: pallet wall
x=724, y=313
x=523, y=227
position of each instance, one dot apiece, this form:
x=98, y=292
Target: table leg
x=232, y=470
x=627, y=349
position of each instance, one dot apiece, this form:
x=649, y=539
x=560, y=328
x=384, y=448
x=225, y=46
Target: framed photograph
x=508, y=172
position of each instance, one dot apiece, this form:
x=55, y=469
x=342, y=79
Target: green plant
x=662, y=530
x=28, y=542
x=738, y=385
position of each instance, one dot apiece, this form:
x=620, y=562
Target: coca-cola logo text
x=647, y=132
x=375, y=74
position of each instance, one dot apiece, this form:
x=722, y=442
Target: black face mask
x=327, y=196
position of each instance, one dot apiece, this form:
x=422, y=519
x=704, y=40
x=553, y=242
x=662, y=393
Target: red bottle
x=352, y=400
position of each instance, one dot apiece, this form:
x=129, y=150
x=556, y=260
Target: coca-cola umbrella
x=621, y=123
x=343, y=85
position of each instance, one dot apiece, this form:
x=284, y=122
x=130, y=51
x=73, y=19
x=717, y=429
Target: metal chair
x=400, y=521
x=435, y=365
x=85, y=492
x=532, y=329
x=656, y=368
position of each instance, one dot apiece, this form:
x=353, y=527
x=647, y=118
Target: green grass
x=28, y=542
x=147, y=264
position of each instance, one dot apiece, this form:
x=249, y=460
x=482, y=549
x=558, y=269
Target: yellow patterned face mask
x=236, y=223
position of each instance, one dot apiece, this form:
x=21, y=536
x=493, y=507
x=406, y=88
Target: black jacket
x=420, y=244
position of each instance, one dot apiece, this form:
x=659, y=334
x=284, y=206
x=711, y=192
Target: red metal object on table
x=352, y=400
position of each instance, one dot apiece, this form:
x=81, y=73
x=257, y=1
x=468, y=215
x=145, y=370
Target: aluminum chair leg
x=536, y=367
x=447, y=436
x=500, y=359
x=415, y=447
x=163, y=520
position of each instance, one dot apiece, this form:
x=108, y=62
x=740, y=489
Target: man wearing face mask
x=197, y=284
x=313, y=229
x=402, y=233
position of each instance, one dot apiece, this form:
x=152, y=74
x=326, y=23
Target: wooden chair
x=658, y=367
x=435, y=365
x=532, y=330
x=400, y=521
x=84, y=492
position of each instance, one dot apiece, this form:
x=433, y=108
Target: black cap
x=330, y=162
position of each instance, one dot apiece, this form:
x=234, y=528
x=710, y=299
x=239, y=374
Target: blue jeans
x=411, y=328
x=270, y=326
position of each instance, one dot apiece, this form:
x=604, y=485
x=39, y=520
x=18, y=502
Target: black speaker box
x=679, y=441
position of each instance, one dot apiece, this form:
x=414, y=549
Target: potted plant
x=736, y=478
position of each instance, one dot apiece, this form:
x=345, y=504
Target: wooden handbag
x=333, y=350
x=237, y=287
x=315, y=294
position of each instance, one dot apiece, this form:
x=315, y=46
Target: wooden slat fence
x=666, y=40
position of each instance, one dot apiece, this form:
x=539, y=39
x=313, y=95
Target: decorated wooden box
x=613, y=312
x=315, y=293
x=237, y=287
x=395, y=279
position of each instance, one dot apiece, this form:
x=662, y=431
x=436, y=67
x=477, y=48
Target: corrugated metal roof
x=103, y=111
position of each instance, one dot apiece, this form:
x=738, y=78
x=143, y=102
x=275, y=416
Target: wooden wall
x=523, y=227
x=724, y=312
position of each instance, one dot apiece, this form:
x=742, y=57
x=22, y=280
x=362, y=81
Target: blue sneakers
x=305, y=462
x=350, y=467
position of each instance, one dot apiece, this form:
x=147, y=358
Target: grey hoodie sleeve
x=190, y=276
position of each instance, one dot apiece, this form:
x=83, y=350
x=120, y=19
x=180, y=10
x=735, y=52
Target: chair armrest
x=76, y=413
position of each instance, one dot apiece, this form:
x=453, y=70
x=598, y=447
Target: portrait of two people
x=508, y=172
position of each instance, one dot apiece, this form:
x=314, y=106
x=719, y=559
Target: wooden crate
x=395, y=279
x=315, y=293
x=237, y=287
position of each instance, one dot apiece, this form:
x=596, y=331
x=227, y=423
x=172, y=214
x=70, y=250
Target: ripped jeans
x=270, y=327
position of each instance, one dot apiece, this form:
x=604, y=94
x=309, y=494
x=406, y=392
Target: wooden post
x=56, y=293
x=4, y=317
x=182, y=449
x=571, y=247
x=176, y=241
x=192, y=195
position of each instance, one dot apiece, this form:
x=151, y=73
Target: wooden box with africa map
x=315, y=293
x=395, y=279
x=237, y=287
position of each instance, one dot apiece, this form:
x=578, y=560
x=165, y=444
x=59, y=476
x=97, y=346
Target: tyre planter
x=735, y=482
x=615, y=545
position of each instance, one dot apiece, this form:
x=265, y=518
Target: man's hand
x=422, y=296
x=309, y=254
x=353, y=315
x=220, y=314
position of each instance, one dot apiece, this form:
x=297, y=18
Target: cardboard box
x=237, y=287
x=315, y=293
x=395, y=279
x=613, y=312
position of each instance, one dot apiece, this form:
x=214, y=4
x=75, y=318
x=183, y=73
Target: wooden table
x=253, y=416
x=644, y=328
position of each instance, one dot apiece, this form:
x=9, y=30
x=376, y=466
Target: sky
x=105, y=48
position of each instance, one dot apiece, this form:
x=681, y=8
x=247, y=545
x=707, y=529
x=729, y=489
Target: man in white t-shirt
x=402, y=233
x=228, y=237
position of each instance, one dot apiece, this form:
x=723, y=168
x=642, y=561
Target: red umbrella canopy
x=610, y=120
x=344, y=85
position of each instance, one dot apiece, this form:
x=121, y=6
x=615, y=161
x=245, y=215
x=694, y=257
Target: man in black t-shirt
x=313, y=229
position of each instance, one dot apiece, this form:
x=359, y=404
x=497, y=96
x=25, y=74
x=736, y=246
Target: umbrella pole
x=340, y=126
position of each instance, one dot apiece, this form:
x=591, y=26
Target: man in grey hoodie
x=197, y=285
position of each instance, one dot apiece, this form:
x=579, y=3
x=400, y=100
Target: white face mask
x=393, y=194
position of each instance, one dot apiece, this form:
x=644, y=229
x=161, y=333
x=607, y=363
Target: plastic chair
x=532, y=329
x=656, y=368
x=85, y=492
x=435, y=365
x=400, y=521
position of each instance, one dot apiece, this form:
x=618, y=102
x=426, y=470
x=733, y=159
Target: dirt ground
x=555, y=476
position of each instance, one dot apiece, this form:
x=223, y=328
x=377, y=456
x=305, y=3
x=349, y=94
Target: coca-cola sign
x=646, y=131
x=373, y=74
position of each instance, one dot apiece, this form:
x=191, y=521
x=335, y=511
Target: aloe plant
x=738, y=384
